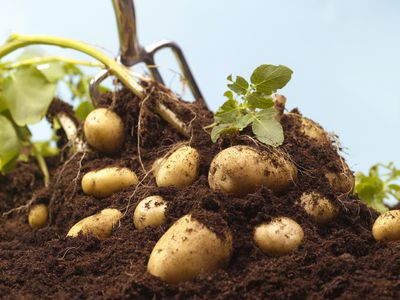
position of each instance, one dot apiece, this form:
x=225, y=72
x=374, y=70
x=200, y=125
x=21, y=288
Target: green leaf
x=267, y=129
x=217, y=131
x=83, y=109
x=52, y=71
x=259, y=100
x=229, y=95
x=9, y=145
x=28, y=94
x=240, y=86
x=267, y=79
x=3, y=103
x=228, y=112
x=245, y=121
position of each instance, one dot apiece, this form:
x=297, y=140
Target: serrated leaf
x=267, y=79
x=83, y=109
x=239, y=86
x=28, y=95
x=267, y=129
x=259, y=100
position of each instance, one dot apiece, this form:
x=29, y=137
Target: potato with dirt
x=310, y=129
x=180, y=169
x=187, y=249
x=104, y=130
x=279, y=237
x=104, y=182
x=38, y=216
x=318, y=207
x=240, y=170
x=387, y=226
x=150, y=212
x=99, y=225
x=341, y=181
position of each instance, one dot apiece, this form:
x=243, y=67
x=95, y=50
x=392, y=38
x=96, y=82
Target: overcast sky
x=345, y=53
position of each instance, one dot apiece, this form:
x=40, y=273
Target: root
x=21, y=208
x=75, y=180
x=140, y=130
x=71, y=131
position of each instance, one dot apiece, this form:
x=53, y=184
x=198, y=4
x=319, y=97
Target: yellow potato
x=319, y=208
x=105, y=182
x=387, y=226
x=104, y=130
x=187, y=249
x=341, y=182
x=150, y=212
x=38, y=216
x=240, y=170
x=313, y=130
x=279, y=237
x=99, y=225
x=180, y=169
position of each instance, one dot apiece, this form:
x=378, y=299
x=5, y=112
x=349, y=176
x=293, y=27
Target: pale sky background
x=345, y=53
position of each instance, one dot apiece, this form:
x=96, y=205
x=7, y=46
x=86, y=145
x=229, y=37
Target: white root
x=71, y=131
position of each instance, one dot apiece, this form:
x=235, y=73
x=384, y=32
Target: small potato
x=150, y=212
x=99, y=225
x=319, y=208
x=313, y=130
x=104, y=130
x=38, y=216
x=105, y=182
x=387, y=226
x=279, y=237
x=240, y=170
x=180, y=169
x=341, y=182
x=187, y=249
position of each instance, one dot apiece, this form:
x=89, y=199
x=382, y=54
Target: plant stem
x=42, y=165
x=17, y=41
x=50, y=59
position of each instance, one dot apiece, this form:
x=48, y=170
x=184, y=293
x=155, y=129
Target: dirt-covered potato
x=180, y=169
x=387, y=226
x=187, y=249
x=104, y=182
x=99, y=225
x=38, y=216
x=150, y=212
x=239, y=170
x=318, y=207
x=279, y=237
x=104, y=130
x=342, y=182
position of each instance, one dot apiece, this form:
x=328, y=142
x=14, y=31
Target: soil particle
x=337, y=260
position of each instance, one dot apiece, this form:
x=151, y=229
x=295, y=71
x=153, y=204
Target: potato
x=104, y=130
x=313, y=130
x=341, y=182
x=319, y=208
x=99, y=225
x=387, y=226
x=38, y=216
x=187, y=249
x=104, y=182
x=279, y=237
x=240, y=170
x=180, y=169
x=150, y=212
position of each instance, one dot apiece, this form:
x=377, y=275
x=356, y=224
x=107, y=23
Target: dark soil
x=338, y=260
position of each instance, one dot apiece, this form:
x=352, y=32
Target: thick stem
x=42, y=165
x=71, y=131
x=170, y=117
x=17, y=41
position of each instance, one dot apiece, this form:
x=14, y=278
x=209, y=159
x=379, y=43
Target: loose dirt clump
x=337, y=260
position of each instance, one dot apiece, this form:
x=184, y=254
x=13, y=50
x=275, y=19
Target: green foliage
x=252, y=104
x=377, y=186
x=27, y=87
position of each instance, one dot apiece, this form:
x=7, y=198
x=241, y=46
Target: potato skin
x=342, y=182
x=99, y=225
x=279, y=237
x=240, y=170
x=150, y=212
x=104, y=130
x=318, y=207
x=105, y=182
x=180, y=169
x=387, y=226
x=187, y=249
x=38, y=216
